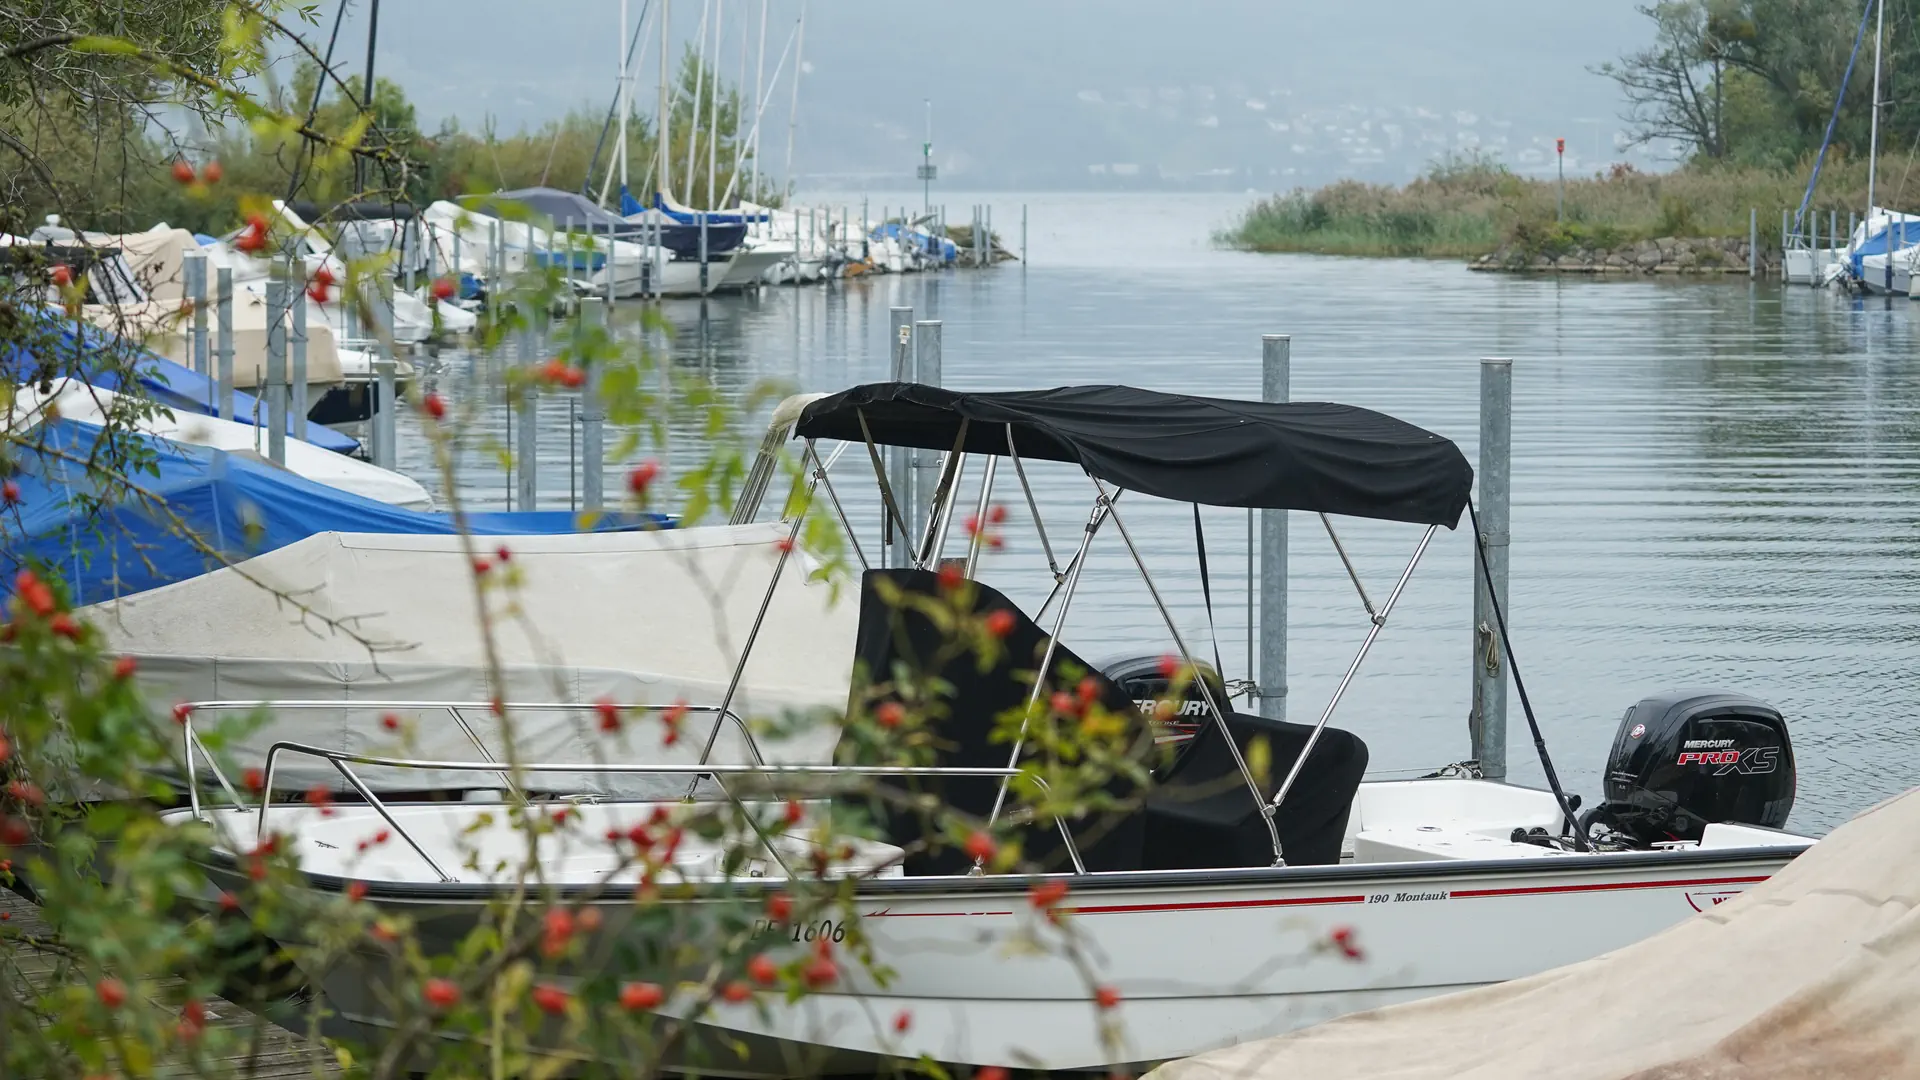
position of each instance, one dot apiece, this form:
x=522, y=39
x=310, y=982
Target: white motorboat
x=1217, y=906
x=75, y=400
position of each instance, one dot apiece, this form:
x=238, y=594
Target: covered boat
x=563, y=207
x=1218, y=903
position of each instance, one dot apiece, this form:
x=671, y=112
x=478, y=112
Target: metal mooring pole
x=926, y=369
x=1488, y=723
x=275, y=376
x=900, y=459
x=223, y=341
x=1276, y=378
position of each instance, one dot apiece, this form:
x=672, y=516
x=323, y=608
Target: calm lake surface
x=1714, y=483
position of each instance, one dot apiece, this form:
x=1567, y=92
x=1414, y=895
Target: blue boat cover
x=100, y=358
x=940, y=248
x=191, y=509
x=1895, y=235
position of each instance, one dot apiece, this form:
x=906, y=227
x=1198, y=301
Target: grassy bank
x=1465, y=207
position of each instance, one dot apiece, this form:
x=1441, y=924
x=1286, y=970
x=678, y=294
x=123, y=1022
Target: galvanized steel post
x=297, y=380
x=194, y=271
x=1753, y=242
x=275, y=381
x=900, y=459
x=385, y=453
x=1276, y=378
x=223, y=340
x=526, y=451
x=1488, y=722
x=926, y=369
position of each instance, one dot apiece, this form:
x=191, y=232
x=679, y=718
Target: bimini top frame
x=1313, y=456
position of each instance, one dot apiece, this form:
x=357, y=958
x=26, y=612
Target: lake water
x=1714, y=483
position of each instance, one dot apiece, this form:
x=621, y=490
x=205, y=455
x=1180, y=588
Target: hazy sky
x=1064, y=93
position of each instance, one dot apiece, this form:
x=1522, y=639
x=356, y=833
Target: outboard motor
x=1140, y=678
x=1686, y=759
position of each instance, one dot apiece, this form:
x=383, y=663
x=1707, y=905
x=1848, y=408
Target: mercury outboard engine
x=1141, y=679
x=1686, y=759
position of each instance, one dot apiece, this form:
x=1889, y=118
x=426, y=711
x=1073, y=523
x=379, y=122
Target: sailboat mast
x=793, y=108
x=699, y=73
x=1873, y=153
x=662, y=118
x=621, y=145
x=713, y=105
x=759, y=83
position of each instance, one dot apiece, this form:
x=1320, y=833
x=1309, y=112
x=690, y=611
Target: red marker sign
x=1559, y=146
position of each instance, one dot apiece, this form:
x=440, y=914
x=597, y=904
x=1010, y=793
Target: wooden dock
x=278, y=1053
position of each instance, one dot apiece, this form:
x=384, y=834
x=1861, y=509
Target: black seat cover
x=904, y=635
x=1201, y=815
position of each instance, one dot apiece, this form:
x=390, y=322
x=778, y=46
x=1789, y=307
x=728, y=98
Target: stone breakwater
x=1667, y=255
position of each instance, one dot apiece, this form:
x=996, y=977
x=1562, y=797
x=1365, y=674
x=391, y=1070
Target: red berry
x=573, y=378
x=989, y=1072
x=736, y=992
x=794, y=812
x=889, y=714
x=559, y=923
x=1106, y=997
x=635, y=997
x=434, y=405
x=950, y=577
x=193, y=1020
x=481, y=566
x=26, y=791
x=1342, y=938
x=784, y=545
x=980, y=847
x=820, y=973
x=443, y=288
x=902, y=1020
x=609, y=714
x=211, y=172
x=999, y=623
x=63, y=625
x=111, y=992
x=503, y=553
x=390, y=722
x=319, y=796
x=229, y=902
x=973, y=524
x=254, y=779
x=440, y=993
x=996, y=514
x=9, y=493
x=182, y=713
x=123, y=667
x=63, y=276
x=1088, y=690
x=1169, y=666
x=6, y=749
x=321, y=287
x=642, y=475
x=182, y=172
x=779, y=907
x=762, y=970
x=14, y=831
x=254, y=237
x=550, y=1000
x=356, y=891
x=382, y=836
x=589, y=920
x=1064, y=704
x=1047, y=894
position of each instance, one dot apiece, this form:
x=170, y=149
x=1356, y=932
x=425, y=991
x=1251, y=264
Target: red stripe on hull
x=1608, y=886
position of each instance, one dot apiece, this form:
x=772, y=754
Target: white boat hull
x=1201, y=958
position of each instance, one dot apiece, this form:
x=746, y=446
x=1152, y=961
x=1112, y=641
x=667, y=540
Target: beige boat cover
x=644, y=618
x=1812, y=974
x=161, y=325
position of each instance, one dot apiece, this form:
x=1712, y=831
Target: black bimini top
x=1309, y=455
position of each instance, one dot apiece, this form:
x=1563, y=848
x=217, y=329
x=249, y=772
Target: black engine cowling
x=1143, y=680
x=1686, y=759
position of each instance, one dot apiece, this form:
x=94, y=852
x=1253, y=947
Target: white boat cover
x=76, y=400
x=1814, y=973
x=640, y=617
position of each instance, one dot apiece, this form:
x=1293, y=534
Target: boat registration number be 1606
x=833, y=930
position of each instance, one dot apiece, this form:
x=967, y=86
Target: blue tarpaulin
x=235, y=507
x=89, y=354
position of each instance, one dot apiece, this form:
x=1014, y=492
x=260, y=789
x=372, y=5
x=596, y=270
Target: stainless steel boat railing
x=342, y=761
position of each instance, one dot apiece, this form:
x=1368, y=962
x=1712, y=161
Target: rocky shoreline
x=1698, y=255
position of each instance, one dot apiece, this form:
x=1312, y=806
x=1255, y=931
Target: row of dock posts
x=283, y=390
x=1267, y=662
